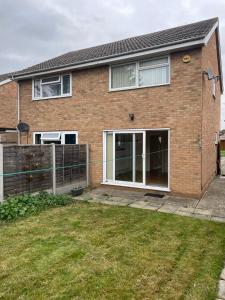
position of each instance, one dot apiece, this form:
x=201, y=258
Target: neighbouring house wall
x=8, y=138
x=92, y=109
x=210, y=113
x=8, y=103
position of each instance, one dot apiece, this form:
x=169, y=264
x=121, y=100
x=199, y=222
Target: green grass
x=222, y=153
x=92, y=251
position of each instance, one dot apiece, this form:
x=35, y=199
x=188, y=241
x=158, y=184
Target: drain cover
x=154, y=195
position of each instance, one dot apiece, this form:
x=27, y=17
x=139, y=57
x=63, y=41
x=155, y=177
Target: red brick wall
x=92, y=108
x=210, y=113
x=8, y=102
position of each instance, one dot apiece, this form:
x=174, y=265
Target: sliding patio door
x=157, y=158
x=137, y=158
x=129, y=157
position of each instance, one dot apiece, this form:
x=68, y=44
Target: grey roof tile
x=173, y=36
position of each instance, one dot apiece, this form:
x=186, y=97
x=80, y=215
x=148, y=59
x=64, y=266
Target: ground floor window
x=56, y=137
x=137, y=158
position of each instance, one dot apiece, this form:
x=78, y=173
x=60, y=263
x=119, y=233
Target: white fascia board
x=5, y=81
x=210, y=33
x=116, y=59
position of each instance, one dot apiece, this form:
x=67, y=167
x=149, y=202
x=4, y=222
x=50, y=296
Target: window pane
x=51, y=136
x=109, y=156
x=153, y=62
x=37, y=88
x=50, y=79
x=51, y=90
x=124, y=157
x=70, y=138
x=154, y=76
x=37, y=138
x=66, y=84
x=123, y=76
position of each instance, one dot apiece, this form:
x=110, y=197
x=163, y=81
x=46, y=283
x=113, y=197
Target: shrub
x=24, y=205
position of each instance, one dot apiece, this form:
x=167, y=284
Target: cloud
x=33, y=31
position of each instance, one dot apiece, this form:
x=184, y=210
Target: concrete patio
x=211, y=206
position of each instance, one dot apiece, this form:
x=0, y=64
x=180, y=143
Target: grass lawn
x=222, y=153
x=92, y=251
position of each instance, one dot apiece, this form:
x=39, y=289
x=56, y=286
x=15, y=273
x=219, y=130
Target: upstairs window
x=52, y=87
x=123, y=76
x=151, y=72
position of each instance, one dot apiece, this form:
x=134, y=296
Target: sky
x=32, y=31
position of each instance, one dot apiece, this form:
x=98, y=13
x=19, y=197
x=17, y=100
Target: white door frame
x=134, y=184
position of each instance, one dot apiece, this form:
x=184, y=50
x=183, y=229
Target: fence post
x=53, y=170
x=1, y=174
x=87, y=164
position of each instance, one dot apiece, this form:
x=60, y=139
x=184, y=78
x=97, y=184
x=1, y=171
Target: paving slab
x=200, y=216
x=168, y=208
x=218, y=219
x=214, y=198
x=221, y=293
x=183, y=213
x=184, y=202
x=122, y=200
x=151, y=207
x=189, y=210
x=204, y=212
x=138, y=204
x=108, y=202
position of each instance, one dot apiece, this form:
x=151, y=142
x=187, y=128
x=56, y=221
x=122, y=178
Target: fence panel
x=70, y=165
x=29, y=168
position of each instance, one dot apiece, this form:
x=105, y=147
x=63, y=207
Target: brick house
x=148, y=106
x=8, y=111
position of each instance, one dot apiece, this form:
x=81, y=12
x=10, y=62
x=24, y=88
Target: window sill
x=137, y=87
x=49, y=98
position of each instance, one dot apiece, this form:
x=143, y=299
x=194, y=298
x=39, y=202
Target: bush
x=24, y=205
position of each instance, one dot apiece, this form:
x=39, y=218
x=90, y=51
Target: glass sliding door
x=157, y=158
x=124, y=156
x=137, y=158
x=109, y=156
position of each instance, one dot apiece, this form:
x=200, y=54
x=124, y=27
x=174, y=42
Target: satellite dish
x=23, y=127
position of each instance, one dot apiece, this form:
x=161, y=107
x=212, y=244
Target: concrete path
x=210, y=207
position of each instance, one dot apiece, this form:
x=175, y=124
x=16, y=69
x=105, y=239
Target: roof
x=174, y=36
x=5, y=76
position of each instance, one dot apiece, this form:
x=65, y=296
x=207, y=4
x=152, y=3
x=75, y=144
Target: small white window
x=151, y=72
x=52, y=87
x=56, y=137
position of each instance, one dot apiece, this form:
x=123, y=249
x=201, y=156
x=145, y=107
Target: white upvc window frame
x=135, y=184
x=63, y=133
x=138, y=68
x=60, y=80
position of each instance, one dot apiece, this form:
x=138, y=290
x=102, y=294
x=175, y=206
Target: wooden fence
x=35, y=168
